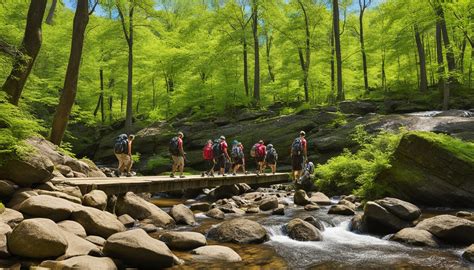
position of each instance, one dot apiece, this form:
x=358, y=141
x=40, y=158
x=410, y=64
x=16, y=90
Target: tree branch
x=9, y=49
x=93, y=7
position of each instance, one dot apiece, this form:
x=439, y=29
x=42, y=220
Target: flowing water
x=340, y=248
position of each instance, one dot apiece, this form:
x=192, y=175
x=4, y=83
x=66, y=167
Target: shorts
x=271, y=162
x=297, y=163
x=125, y=161
x=178, y=160
x=209, y=164
x=238, y=161
x=221, y=162
x=259, y=159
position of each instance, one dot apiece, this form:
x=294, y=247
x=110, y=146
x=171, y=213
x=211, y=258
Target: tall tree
x=337, y=48
x=421, y=59
x=363, y=4
x=306, y=58
x=29, y=49
x=442, y=85
x=49, y=18
x=256, y=79
x=68, y=96
x=449, y=50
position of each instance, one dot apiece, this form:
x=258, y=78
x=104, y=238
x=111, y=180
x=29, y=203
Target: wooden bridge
x=154, y=184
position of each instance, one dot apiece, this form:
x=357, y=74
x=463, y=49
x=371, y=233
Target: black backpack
x=216, y=148
x=174, y=149
x=271, y=155
x=121, y=144
x=237, y=152
x=297, y=147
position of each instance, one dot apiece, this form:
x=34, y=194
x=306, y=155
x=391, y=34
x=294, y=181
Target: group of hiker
x=222, y=160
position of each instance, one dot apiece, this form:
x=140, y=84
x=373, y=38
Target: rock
x=74, y=191
x=136, y=248
x=37, y=238
x=11, y=217
x=7, y=188
x=348, y=204
x=399, y=208
x=96, y=198
x=464, y=214
x=111, y=203
x=4, y=231
x=351, y=198
x=311, y=207
x=94, y=171
x=140, y=209
x=126, y=220
x=32, y=168
x=357, y=107
x=280, y=210
x=96, y=240
x=415, y=237
x=183, y=240
x=300, y=198
x=81, y=262
x=49, y=207
x=252, y=210
x=73, y=227
x=419, y=171
x=182, y=215
x=379, y=220
x=215, y=213
x=269, y=203
x=320, y=198
x=20, y=196
x=301, y=230
x=357, y=224
x=78, y=246
x=341, y=209
x=79, y=175
x=149, y=228
x=98, y=222
x=469, y=254
x=61, y=195
x=450, y=229
x=200, y=206
x=240, y=231
x=243, y=188
x=222, y=192
x=315, y=222
x=216, y=253
x=63, y=169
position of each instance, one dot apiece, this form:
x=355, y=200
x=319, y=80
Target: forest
x=99, y=62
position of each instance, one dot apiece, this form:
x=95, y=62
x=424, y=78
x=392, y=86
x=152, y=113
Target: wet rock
x=301, y=230
x=341, y=209
x=351, y=198
x=347, y=203
x=96, y=240
x=215, y=213
x=240, y=231
x=311, y=207
x=11, y=217
x=469, y=254
x=379, y=220
x=136, y=248
x=404, y=210
x=357, y=224
x=280, y=210
x=216, y=253
x=183, y=240
x=320, y=198
x=182, y=215
x=252, y=210
x=240, y=201
x=49, y=207
x=243, y=188
x=98, y=222
x=464, y=214
x=149, y=228
x=269, y=203
x=228, y=191
x=78, y=246
x=81, y=262
x=96, y=198
x=200, y=206
x=315, y=222
x=72, y=227
x=415, y=237
x=126, y=220
x=301, y=198
x=450, y=229
x=4, y=231
x=37, y=238
x=7, y=188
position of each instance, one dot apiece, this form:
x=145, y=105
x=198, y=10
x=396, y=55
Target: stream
x=340, y=248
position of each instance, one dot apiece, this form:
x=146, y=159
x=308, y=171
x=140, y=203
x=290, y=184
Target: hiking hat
x=260, y=142
x=270, y=146
x=235, y=142
x=302, y=133
x=181, y=133
x=222, y=138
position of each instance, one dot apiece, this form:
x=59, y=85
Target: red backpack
x=207, y=152
x=261, y=150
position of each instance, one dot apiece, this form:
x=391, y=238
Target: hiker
x=222, y=156
x=305, y=181
x=177, y=153
x=238, y=158
x=271, y=157
x=123, y=152
x=299, y=154
x=208, y=155
x=259, y=151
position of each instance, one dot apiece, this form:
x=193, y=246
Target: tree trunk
x=129, y=115
x=49, y=19
x=256, y=80
x=102, y=113
x=362, y=49
x=442, y=85
x=305, y=74
x=110, y=108
x=422, y=60
x=305, y=62
x=61, y=117
x=268, y=46
x=337, y=43
x=154, y=93
x=333, y=79
x=29, y=49
x=246, y=69
x=449, y=51
x=384, y=77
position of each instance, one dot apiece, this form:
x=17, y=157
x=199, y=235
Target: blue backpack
x=121, y=144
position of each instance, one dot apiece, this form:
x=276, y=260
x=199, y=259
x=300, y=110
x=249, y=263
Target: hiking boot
x=224, y=175
x=203, y=174
x=129, y=175
x=182, y=176
x=172, y=175
x=234, y=174
x=246, y=172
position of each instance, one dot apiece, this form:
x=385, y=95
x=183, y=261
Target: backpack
x=297, y=147
x=216, y=148
x=207, y=152
x=261, y=152
x=237, y=152
x=121, y=144
x=174, y=149
x=253, y=150
x=309, y=168
x=272, y=155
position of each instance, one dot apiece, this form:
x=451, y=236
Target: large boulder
x=450, y=229
x=59, y=194
x=183, y=240
x=95, y=198
x=320, y=198
x=200, y=206
x=419, y=171
x=73, y=191
x=404, y=210
x=269, y=203
x=11, y=217
x=98, y=222
x=182, y=214
x=215, y=213
x=379, y=220
x=78, y=246
x=73, y=227
x=7, y=188
x=137, y=248
x=139, y=208
x=240, y=230
x=37, y=238
x=81, y=262
x=216, y=253
x=29, y=169
x=228, y=191
x=47, y=207
x=301, y=198
x=4, y=231
x=357, y=107
x=341, y=209
x=468, y=254
x=96, y=240
x=20, y=196
x=301, y=230
x=415, y=237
